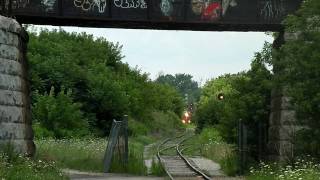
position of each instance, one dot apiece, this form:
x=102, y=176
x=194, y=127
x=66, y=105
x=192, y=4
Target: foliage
x=184, y=84
x=302, y=169
x=298, y=67
x=137, y=128
x=246, y=97
x=79, y=154
x=230, y=164
x=14, y=166
x=212, y=146
x=103, y=88
x=135, y=161
x=157, y=169
x=58, y=116
x=87, y=154
x=165, y=123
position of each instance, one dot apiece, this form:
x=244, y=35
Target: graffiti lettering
x=272, y=9
x=15, y=4
x=130, y=4
x=48, y=4
x=211, y=9
x=226, y=4
x=87, y=5
x=166, y=7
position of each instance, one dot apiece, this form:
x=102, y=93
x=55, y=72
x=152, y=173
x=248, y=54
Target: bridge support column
x=281, y=127
x=15, y=116
x=282, y=122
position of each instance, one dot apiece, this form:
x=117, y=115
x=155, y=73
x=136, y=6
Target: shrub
x=58, y=116
x=137, y=128
x=165, y=122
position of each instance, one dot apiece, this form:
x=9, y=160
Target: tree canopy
x=100, y=86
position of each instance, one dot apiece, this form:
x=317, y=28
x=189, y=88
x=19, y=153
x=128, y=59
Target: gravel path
x=210, y=167
x=77, y=175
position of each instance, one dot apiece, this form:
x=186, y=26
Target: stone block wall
x=15, y=116
x=282, y=127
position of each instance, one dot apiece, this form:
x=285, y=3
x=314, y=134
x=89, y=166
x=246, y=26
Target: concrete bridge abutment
x=15, y=115
x=282, y=121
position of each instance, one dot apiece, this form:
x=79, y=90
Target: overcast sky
x=204, y=55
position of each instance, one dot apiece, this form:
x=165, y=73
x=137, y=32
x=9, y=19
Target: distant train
x=187, y=115
x=186, y=119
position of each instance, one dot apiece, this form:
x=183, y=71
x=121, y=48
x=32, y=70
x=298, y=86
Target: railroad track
x=176, y=165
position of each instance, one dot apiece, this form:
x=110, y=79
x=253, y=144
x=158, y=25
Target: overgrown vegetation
x=14, y=167
x=79, y=85
x=301, y=170
x=80, y=154
x=156, y=168
x=88, y=154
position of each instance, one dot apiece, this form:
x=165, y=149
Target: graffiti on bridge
x=248, y=14
x=272, y=9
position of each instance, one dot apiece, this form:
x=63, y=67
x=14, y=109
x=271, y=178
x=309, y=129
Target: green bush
x=230, y=164
x=58, y=116
x=165, y=122
x=209, y=135
x=106, y=87
x=137, y=128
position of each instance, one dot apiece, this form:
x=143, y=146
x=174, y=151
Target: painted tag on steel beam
x=159, y=14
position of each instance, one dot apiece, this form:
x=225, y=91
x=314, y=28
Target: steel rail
x=188, y=162
x=160, y=150
x=179, y=153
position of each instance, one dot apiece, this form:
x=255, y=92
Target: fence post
x=242, y=145
x=110, y=147
x=126, y=150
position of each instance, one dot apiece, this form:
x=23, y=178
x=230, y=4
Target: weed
x=157, y=169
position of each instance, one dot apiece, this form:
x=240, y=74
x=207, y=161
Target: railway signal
x=220, y=96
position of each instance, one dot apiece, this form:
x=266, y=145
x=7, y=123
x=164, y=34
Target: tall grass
x=210, y=145
x=80, y=154
x=301, y=170
x=157, y=169
x=135, y=161
x=16, y=167
x=88, y=154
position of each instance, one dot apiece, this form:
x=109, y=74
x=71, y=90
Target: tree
x=105, y=87
x=246, y=97
x=56, y=115
x=184, y=84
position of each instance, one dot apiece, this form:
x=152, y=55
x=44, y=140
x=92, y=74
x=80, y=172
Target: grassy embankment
x=17, y=167
x=210, y=145
x=88, y=154
x=302, y=169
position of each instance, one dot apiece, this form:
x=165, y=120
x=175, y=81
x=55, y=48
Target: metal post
x=111, y=144
x=240, y=143
x=126, y=150
x=244, y=147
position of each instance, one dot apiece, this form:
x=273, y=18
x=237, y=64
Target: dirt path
x=78, y=175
